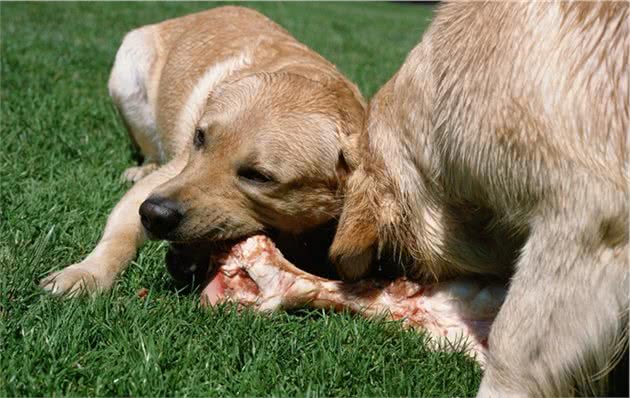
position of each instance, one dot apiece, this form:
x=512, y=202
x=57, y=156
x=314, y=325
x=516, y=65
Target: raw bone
x=255, y=274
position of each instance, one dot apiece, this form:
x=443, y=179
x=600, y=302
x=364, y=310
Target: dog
x=242, y=129
x=499, y=148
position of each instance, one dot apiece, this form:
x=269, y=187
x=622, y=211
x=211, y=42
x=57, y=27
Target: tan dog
x=242, y=129
x=500, y=148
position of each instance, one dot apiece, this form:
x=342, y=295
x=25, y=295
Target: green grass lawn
x=63, y=149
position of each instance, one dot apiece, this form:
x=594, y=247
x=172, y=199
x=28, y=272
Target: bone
x=256, y=275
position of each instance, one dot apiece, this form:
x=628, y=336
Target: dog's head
x=268, y=153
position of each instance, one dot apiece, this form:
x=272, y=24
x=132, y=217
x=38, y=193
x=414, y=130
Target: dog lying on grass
x=500, y=148
x=242, y=129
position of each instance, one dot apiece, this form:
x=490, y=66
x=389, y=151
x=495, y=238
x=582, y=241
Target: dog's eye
x=250, y=174
x=200, y=138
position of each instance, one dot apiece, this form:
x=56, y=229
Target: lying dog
x=242, y=129
x=500, y=148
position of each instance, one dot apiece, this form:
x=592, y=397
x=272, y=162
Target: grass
x=63, y=150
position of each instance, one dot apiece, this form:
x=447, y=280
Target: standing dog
x=242, y=129
x=500, y=148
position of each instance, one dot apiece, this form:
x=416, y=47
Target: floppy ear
x=356, y=240
x=352, y=114
x=349, y=151
x=343, y=170
x=354, y=247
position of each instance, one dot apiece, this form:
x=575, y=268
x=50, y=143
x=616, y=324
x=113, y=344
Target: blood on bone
x=255, y=274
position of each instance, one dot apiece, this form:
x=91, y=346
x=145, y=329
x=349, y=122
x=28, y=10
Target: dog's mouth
x=192, y=264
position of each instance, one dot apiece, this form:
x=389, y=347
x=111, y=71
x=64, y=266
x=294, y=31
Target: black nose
x=160, y=216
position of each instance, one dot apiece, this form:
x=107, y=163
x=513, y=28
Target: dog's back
x=164, y=72
x=540, y=86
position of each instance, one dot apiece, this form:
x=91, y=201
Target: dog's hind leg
x=565, y=317
x=121, y=239
x=130, y=85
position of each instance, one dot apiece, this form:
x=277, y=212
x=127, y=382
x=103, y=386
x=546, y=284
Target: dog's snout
x=160, y=216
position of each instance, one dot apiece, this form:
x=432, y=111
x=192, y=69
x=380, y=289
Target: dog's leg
x=566, y=309
x=129, y=85
x=122, y=237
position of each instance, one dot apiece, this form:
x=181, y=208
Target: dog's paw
x=75, y=280
x=136, y=173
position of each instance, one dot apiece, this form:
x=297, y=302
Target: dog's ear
x=356, y=239
x=354, y=249
x=350, y=126
x=342, y=168
x=348, y=158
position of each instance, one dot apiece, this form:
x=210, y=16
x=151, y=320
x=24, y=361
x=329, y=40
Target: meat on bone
x=255, y=274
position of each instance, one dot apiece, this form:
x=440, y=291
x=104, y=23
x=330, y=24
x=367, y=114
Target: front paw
x=75, y=280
